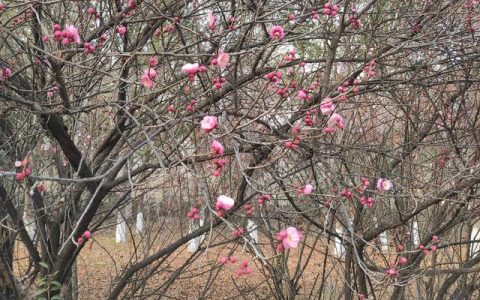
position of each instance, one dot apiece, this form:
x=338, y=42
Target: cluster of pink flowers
x=121, y=30
x=330, y=10
x=353, y=19
x=335, y=121
x=91, y=11
x=218, y=165
x=149, y=75
x=225, y=260
x=5, y=73
x=85, y=236
x=236, y=233
x=290, y=55
x=346, y=193
x=367, y=201
x=223, y=204
x=264, y=197
x=274, y=76
x=303, y=94
x=248, y=209
x=193, y=214
x=277, y=33
x=192, y=69
x=288, y=238
x=365, y=184
x=293, y=144
x=309, y=120
x=2, y=6
x=218, y=82
x=68, y=35
x=244, y=269
x=88, y=48
x=191, y=106
x=432, y=247
x=23, y=169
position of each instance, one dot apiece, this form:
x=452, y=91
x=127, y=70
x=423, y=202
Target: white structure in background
x=194, y=243
x=121, y=231
x=383, y=237
x=415, y=234
x=139, y=222
x=252, y=231
x=475, y=235
x=30, y=226
x=384, y=240
x=339, y=247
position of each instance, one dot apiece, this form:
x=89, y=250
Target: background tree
x=345, y=134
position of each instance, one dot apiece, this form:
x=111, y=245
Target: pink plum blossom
x=336, y=120
x=209, y=123
x=289, y=238
x=217, y=148
x=223, y=59
x=327, y=106
x=306, y=190
x=224, y=203
x=277, y=33
x=191, y=69
x=384, y=184
x=72, y=33
x=147, y=80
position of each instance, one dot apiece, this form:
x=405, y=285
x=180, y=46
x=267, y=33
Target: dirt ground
x=102, y=259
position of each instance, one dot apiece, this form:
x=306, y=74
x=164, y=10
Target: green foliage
x=47, y=287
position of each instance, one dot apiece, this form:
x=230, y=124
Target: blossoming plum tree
x=268, y=131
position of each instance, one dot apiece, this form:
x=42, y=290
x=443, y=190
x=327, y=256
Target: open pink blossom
x=336, y=120
x=217, y=148
x=146, y=80
x=224, y=203
x=277, y=33
x=209, y=123
x=307, y=189
x=327, y=106
x=289, y=238
x=191, y=69
x=72, y=33
x=223, y=59
x=383, y=184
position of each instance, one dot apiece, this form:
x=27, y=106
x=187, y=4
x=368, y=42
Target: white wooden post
x=30, y=226
x=194, y=244
x=252, y=231
x=475, y=235
x=139, y=222
x=415, y=234
x=339, y=248
x=121, y=229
